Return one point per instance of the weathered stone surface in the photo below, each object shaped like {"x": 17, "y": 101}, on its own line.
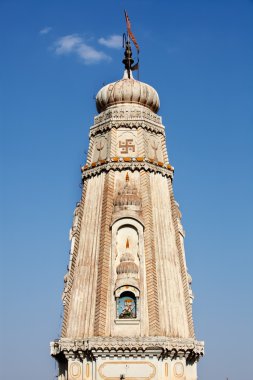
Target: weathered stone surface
{"x": 127, "y": 294}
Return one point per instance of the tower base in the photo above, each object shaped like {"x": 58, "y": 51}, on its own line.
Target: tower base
{"x": 152, "y": 358}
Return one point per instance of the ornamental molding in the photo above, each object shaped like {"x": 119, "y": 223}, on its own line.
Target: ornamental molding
{"x": 133, "y": 124}
{"x": 126, "y": 213}
{"x": 160, "y": 346}
{"x": 127, "y": 112}
{"x": 134, "y": 363}
{"x": 88, "y": 172}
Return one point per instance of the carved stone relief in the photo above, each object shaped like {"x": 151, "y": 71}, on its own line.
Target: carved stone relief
{"x": 154, "y": 148}
{"x": 127, "y": 143}
{"x": 75, "y": 370}
{"x": 178, "y": 369}
{"x": 128, "y": 113}
{"x": 133, "y": 179}
{"x": 100, "y": 150}
{"x": 129, "y": 369}
{"x": 127, "y": 198}
{"x": 171, "y": 346}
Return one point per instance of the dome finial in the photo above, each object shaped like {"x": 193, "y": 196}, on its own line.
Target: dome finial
{"x": 128, "y": 60}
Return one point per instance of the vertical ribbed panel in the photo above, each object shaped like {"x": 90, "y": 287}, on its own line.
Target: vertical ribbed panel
{"x": 82, "y": 304}
{"x": 164, "y": 149}
{"x": 151, "y": 271}
{"x": 90, "y": 151}
{"x": 140, "y": 142}
{"x": 72, "y": 270}
{"x": 182, "y": 263}
{"x": 101, "y": 326}
{"x": 173, "y": 319}
{"x": 113, "y": 143}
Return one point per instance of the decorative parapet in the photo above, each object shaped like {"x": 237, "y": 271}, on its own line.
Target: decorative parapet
{"x": 132, "y": 117}
{"x": 128, "y": 112}
{"x": 131, "y": 124}
{"x": 162, "y": 347}
{"x": 126, "y": 163}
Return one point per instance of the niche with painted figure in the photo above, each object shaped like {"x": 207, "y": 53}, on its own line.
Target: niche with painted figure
{"x": 126, "y": 306}
{"x": 128, "y": 277}
{"x": 127, "y": 300}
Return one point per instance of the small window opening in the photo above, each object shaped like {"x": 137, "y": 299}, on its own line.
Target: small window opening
{"x": 126, "y": 306}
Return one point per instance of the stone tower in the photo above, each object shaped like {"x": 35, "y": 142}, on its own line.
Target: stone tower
{"x": 127, "y": 293}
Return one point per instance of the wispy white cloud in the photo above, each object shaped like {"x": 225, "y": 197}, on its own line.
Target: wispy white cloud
{"x": 74, "y": 44}
{"x": 114, "y": 41}
{"x": 67, "y": 44}
{"x": 46, "y": 30}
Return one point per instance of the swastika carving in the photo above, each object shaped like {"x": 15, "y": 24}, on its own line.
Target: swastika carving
{"x": 127, "y": 146}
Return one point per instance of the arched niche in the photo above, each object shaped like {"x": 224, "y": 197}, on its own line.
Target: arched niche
{"x": 124, "y": 229}
{"x": 128, "y": 291}
{"x": 127, "y": 288}
{"x": 127, "y": 299}
{"x": 127, "y": 233}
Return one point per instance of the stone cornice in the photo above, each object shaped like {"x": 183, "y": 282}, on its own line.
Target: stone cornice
{"x": 126, "y": 163}
{"x": 159, "y": 346}
{"x": 132, "y": 124}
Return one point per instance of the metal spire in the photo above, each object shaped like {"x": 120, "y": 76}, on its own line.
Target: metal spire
{"x": 128, "y": 60}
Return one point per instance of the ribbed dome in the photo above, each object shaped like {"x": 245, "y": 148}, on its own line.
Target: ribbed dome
{"x": 127, "y": 90}
{"x": 127, "y": 264}
{"x": 127, "y": 267}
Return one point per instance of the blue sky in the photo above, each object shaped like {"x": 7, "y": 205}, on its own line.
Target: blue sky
{"x": 55, "y": 56}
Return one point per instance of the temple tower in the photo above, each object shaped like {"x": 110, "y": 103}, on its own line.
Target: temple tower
{"x": 127, "y": 293}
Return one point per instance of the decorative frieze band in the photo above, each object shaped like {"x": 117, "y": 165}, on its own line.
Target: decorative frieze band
{"x": 131, "y": 124}
{"x": 191, "y": 349}
{"x": 127, "y": 163}
{"x": 126, "y": 112}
